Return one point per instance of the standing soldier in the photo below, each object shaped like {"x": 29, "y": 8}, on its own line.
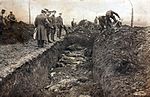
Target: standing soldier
{"x": 12, "y": 19}
{"x": 72, "y": 23}
{"x": 40, "y": 24}
{"x": 96, "y": 20}
{"x": 111, "y": 15}
{"x": 59, "y": 25}
{"x": 48, "y": 26}
{"x": 53, "y": 21}
{"x": 102, "y": 22}
{"x": 2, "y": 21}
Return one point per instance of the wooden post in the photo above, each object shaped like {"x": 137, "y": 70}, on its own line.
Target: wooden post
{"x": 132, "y": 18}
{"x": 132, "y": 14}
{"x": 29, "y": 11}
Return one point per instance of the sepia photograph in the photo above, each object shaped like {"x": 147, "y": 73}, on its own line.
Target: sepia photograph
{"x": 74, "y": 48}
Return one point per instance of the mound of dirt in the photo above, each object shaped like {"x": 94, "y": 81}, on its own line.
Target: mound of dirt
{"x": 121, "y": 62}
{"x": 20, "y": 32}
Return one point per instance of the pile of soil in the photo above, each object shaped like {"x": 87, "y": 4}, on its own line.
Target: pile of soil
{"x": 121, "y": 62}
{"x": 20, "y": 32}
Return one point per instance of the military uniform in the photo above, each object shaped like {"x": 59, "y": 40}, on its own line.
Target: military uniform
{"x": 102, "y": 22}
{"x": 110, "y": 14}
{"x": 12, "y": 20}
{"x": 59, "y": 25}
{"x": 2, "y": 22}
{"x": 40, "y": 23}
{"x": 53, "y": 21}
{"x": 49, "y": 27}
{"x": 73, "y": 23}
{"x": 96, "y": 20}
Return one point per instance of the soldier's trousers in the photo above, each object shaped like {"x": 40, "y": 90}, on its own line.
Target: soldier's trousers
{"x": 53, "y": 34}
{"x": 48, "y": 32}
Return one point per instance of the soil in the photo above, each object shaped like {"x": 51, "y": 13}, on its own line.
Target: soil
{"x": 72, "y": 75}
{"x": 18, "y": 32}
{"x": 111, "y": 63}
{"x": 121, "y": 60}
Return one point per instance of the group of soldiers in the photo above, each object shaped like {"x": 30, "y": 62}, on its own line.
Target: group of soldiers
{"x": 47, "y": 25}
{"x": 106, "y": 21}
{"x": 6, "y": 20}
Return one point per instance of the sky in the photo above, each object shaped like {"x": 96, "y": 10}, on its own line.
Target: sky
{"x": 81, "y": 9}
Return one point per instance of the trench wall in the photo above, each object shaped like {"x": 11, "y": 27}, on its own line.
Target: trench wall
{"x": 27, "y": 77}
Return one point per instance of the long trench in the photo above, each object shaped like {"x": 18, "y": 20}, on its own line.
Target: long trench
{"x": 63, "y": 70}
{"x": 72, "y": 75}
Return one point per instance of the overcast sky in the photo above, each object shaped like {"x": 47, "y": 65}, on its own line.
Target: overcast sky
{"x": 80, "y": 9}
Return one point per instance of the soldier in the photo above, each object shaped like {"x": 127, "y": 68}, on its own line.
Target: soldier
{"x": 111, "y": 15}
{"x": 59, "y": 25}
{"x": 2, "y": 21}
{"x": 49, "y": 26}
{"x": 53, "y": 21}
{"x": 12, "y": 19}
{"x": 40, "y": 24}
{"x": 102, "y": 22}
{"x": 96, "y": 20}
{"x": 72, "y": 23}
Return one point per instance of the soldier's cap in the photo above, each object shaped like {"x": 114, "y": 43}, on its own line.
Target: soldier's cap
{"x": 46, "y": 9}
{"x": 10, "y": 11}
{"x": 60, "y": 13}
{"x": 43, "y": 11}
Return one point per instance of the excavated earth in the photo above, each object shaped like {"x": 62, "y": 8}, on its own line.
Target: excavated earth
{"x": 86, "y": 63}
{"x": 20, "y": 32}
{"x": 122, "y": 62}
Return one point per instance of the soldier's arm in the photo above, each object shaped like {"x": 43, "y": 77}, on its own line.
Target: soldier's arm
{"x": 116, "y": 14}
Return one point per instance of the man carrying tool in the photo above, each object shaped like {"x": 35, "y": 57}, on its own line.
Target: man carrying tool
{"x": 111, "y": 15}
